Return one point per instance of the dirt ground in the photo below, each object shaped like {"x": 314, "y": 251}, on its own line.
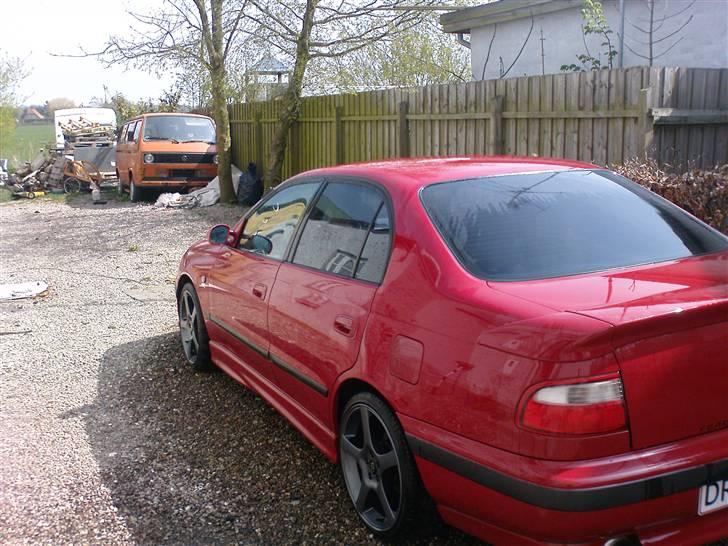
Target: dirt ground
{"x": 106, "y": 436}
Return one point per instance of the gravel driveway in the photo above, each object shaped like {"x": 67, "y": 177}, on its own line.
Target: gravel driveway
{"x": 106, "y": 435}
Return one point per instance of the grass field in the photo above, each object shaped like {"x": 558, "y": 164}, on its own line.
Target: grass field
{"x": 25, "y": 142}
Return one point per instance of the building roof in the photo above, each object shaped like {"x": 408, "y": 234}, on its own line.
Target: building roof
{"x": 463, "y": 20}
{"x": 271, "y": 66}
{"x": 32, "y": 113}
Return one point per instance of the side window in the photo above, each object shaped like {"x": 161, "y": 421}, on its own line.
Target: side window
{"x": 276, "y": 220}
{"x": 338, "y": 228}
{"x": 137, "y": 129}
{"x": 374, "y": 256}
{"x": 122, "y": 133}
{"x": 130, "y": 132}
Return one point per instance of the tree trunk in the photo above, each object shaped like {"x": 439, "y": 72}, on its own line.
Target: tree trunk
{"x": 291, "y": 103}
{"x": 222, "y": 121}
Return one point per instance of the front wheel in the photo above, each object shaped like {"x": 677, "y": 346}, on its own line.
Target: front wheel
{"x": 135, "y": 193}
{"x": 195, "y": 342}
{"x": 379, "y": 471}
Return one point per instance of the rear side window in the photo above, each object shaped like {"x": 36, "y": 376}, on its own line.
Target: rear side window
{"x": 347, "y": 233}
{"x": 541, "y": 225}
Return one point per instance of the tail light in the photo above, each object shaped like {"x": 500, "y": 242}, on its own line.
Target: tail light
{"x": 577, "y": 408}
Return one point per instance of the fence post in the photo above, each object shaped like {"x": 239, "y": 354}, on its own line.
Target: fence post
{"x": 294, "y": 148}
{"x": 338, "y": 136}
{"x": 646, "y": 128}
{"x": 403, "y": 125}
{"x": 496, "y": 126}
{"x": 258, "y": 132}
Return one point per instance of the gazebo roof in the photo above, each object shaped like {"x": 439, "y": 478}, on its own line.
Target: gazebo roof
{"x": 269, "y": 65}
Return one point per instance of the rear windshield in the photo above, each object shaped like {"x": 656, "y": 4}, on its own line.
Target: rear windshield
{"x": 541, "y": 225}
{"x": 179, "y": 128}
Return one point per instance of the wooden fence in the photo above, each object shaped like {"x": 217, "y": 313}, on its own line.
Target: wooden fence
{"x": 678, "y": 116}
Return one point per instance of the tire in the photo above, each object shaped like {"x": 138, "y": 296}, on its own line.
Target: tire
{"x": 381, "y": 470}
{"x": 135, "y": 193}
{"x": 193, "y": 333}
{"x": 71, "y": 185}
{"x": 120, "y": 188}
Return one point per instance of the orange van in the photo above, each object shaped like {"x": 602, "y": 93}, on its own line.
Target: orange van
{"x": 169, "y": 152}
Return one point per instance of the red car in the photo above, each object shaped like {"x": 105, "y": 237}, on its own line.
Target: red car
{"x": 536, "y": 349}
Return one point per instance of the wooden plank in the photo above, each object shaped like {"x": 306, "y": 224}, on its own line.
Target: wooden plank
{"x": 695, "y": 134}
{"x": 668, "y": 135}
{"x": 534, "y": 105}
{"x": 601, "y": 142}
{"x": 588, "y": 86}
{"x": 510, "y": 94}
{"x": 646, "y": 128}
{"x": 522, "y": 123}
{"x": 559, "y": 124}
{"x": 404, "y": 136}
{"x": 571, "y": 126}
{"x": 615, "y": 151}
{"x": 712, "y": 87}
{"x": 675, "y": 116}
{"x": 338, "y": 136}
{"x": 460, "y": 124}
{"x": 546, "y": 105}
{"x": 487, "y": 96}
{"x": 471, "y": 92}
{"x": 427, "y": 125}
{"x": 496, "y": 145}
{"x": 720, "y": 149}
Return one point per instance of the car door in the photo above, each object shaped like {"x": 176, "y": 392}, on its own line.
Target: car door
{"x": 239, "y": 286}
{"x": 321, "y": 297}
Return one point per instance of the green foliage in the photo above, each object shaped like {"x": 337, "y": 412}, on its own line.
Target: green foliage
{"x": 421, "y": 55}
{"x": 592, "y": 12}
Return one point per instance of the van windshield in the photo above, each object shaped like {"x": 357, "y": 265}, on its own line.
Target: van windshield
{"x": 541, "y": 225}
{"x": 179, "y": 129}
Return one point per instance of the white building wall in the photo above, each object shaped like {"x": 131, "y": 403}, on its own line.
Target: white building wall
{"x": 704, "y": 42}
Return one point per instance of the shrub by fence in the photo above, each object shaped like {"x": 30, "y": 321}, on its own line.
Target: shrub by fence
{"x": 677, "y": 116}
{"x": 702, "y": 193}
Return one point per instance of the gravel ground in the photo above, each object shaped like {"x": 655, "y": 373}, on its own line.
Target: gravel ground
{"x": 106, "y": 435}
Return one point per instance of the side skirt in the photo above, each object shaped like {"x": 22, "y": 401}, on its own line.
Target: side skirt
{"x": 315, "y": 431}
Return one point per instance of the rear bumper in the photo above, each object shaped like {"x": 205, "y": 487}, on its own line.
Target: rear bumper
{"x": 505, "y": 498}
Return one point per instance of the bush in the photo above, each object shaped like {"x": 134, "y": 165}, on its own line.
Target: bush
{"x": 702, "y": 193}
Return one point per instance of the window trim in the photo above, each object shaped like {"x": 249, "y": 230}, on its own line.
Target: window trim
{"x": 354, "y": 180}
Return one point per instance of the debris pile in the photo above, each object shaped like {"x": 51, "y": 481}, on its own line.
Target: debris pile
{"x": 83, "y": 130}
{"x": 54, "y": 171}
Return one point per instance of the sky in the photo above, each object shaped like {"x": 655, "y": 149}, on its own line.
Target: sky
{"x": 33, "y": 29}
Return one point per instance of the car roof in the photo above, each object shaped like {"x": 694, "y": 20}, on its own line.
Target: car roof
{"x": 430, "y": 170}
{"x": 155, "y": 114}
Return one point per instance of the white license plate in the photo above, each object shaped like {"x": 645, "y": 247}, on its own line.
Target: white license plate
{"x": 713, "y": 496}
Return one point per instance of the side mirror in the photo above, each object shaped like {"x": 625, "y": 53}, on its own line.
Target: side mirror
{"x": 218, "y": 235}
{"x": 261, "y": 244}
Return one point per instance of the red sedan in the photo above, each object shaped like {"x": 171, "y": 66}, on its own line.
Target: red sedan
{"x": 535, "y": 349}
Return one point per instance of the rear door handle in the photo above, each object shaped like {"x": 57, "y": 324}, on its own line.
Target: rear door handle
{"x": 259, "y": 291}
{"x": 344, "y": 325}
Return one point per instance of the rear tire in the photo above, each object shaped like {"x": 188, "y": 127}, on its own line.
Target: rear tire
{"x": 195, "y": 341}
{"x": 380, "y": 473}
{"x": 120, "y": 188}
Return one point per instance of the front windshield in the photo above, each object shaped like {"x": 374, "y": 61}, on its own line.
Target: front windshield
{"x": 179, "y": 129}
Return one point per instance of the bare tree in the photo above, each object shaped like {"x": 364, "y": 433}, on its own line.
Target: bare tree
{"x": 309, "y": 29}
{"x": 656, "y": 28}
{"x": 204, "y": 32}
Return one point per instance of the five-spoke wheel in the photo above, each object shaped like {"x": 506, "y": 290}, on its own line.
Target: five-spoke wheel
{"x": 192, "y": 329}
{"x": 377, "y": 466}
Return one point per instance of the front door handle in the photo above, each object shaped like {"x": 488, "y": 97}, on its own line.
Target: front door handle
{"x": 344, "y": 325}
{"x": 259, "y": 291}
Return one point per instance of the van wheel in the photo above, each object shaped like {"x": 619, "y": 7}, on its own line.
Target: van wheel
{"x": 379, "y": 471}
{"x": 135, "y": 193}
{"x": 120, "y": 187}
